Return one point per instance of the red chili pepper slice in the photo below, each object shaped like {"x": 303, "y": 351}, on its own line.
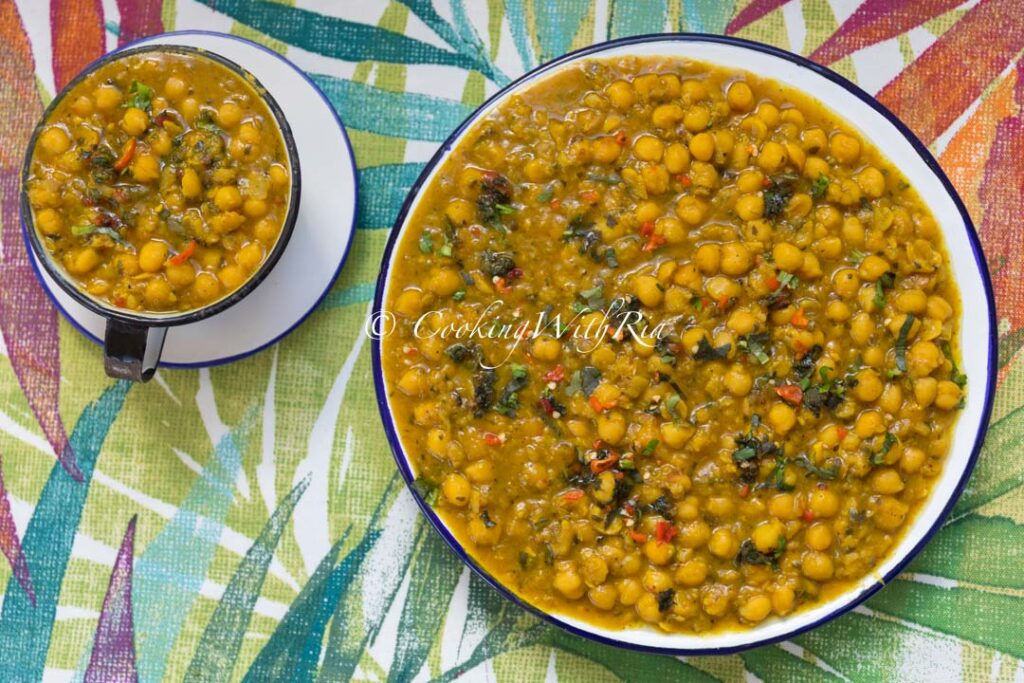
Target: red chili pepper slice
{"x": 126, "y": 155}
{"x": 799, "y": 318}
{"x": 555, "y": 374}
{"x": 492, "y": 439}
{"x": 665, "y": 531}
{"x": 604, "y": 464}
{"x": 638, "y": 537}
{"x": 808, "y": 515}
{"x": 572, "y": 496}
{"x": 653, "y": 242}
{"x": 184, "y": 255}
{"x": 790, "y": 393}
{"x": 590, "y": 196}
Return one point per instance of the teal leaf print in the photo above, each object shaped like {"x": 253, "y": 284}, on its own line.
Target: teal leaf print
{"x": 218, "y": 648}
{"x": 516, "y": 13}
{"x": 338, "y": 38}
{"x": 707, "y": 16}
{"x": 637, "y": 17}
{"x": 25, "y": 628}
{"x": 174, "y": 565}
{"x": 382, "y": 190}
{"x": 293, "y": 651}
{"x": 433, "y": 576}
{"x": 113, "y": 651}
{"x": 408, "y": 115}
{"x": 399, "y": 525}
{"x": 556, "y": 24}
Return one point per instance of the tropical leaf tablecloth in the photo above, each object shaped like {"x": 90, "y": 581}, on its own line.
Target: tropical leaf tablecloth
{"x": 246, "y": 520}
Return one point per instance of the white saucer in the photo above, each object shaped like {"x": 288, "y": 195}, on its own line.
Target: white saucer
{"x": 318, "y": 246}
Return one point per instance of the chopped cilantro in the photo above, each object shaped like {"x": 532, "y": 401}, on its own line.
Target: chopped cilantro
{"x": 820, "y": 186}
{"x": 901, "y": 343}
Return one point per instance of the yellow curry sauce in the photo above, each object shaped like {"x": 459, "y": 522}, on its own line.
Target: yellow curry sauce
{"x": 160, "y": 182}
{"x": 783, "y": 395}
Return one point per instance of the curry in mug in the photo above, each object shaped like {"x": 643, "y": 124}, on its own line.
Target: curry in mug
{"x": 765, "y": 454}
{"x": 160, "y": 182}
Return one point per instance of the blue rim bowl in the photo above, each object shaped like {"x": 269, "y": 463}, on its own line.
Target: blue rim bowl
{"x": 978, "y": 334}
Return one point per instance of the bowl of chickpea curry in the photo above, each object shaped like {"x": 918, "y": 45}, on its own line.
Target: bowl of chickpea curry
{"x": 677, "y": 357}
{"x": 160, "y": 187}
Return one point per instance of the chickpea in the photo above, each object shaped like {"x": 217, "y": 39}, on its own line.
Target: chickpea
{"x": 818, "y": 537}
{"x": 708, "y": 258}
{"x": 621, "y": 95}
{"x": 83, "y": 261}
{"x": 191, "y": 185}
{"x": 611, "y": 427}
{"x": 869, "y": 386}
{"x": 912, "y": 460}
{"x": 781, "y": 418}
{"x": 480, "y": 471}
{"x": 49, "y": 222}
{"x": 837, "y": 311}
{"x": 229, "y": 115}
{"x": 862, "y": 327}
{"x": 135, "y": 121}
{"x": 889, "y": 513}
{"x": 630, "y": 591}
{"x": 817, "y": 565}
{"x": 594, "y": 569}
{"x": 723, "y": 543}
{"x": 546, "y": 348}
{"x": 648, "y": 148}
{"x": 736, "y": 259}
{"x": 702, "y": 146}
{"x": 923, "y": 358}
{"x": 823, "y": 503}
{"x": 738, "y": 381}
{"x": 886, "y": 481}
{"x": 250, "y": 257}
{"x": 206, "y": 287}
{"x": 846, "y": 283}
{"x": 647, "y": 608}
{"x": 871, "y": 182}
{"x": 146, "y": 168}
{"x": 756, "y": 608}
{"x": 55, "y": 140}
{"x": 716, "y": 600}
{"x": 152, "y": 256}
{"x": 873, "y": 267}
{"x": 785, "y": 506}
{"x": 677, "y": 158}
{"x": 603, "y": 596}
{"x": 815, "y": 167}
{"x": 694, "y": 534}
{"x": 648, "y": 290}
{"x": 82, "y": 106}
{"x": 691, "y": 210}
{"x": 255, "y": 208}
{"x": 692, "y": 572}
{"x": 675, "y": 435}
{"x": 107, "y": 97}
{"x": 181, "y": 275}
{"x": 772, "y": 156}
{"x": 158, "y": 294}
{"x": 696, "y": 119}
{"x": 788, "y": 257}
{"x": 926, "y": 389}
{"x": 231, "y": 277}
{"x": 783, "y": 599}
{"x": 666, "y": 116}
{"x": 740, "y": 96}
{"x": 938, "y": 308}
{"x": 658, "y": 553}
{"x": 845, "y": 148}
{"x": 443, "y": 281}
{"x": 767, "y": 534}
{"x": 948, "y": 395}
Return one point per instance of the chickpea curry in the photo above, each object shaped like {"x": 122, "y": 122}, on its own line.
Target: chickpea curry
{"x": 674, "y": 345}
{"x": 160, "y": 182}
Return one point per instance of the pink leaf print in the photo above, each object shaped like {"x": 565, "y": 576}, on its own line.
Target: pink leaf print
{"x": 77, "y": 34}
{"x": 1002, "y": 195}
{"x": 10, "y": 545}
{"x": 113, "y": 651}
{"x": 139, "y": 18}
{"x": 977, "y": 49}
{"x": 878, "y": 20}
{"x": 27, "y": 319}
{"x": 752, "y": 12}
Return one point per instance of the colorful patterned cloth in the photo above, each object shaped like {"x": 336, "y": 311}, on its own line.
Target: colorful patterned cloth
{"x": 248, "y": 519}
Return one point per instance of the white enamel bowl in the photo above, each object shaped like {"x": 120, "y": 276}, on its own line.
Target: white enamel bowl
{"x": 978, "y": 328}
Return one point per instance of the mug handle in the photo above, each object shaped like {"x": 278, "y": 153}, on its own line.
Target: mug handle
{"x": 132, "y": 352}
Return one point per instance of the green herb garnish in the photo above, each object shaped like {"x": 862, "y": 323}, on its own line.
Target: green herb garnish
{"x": 901, "y": 343}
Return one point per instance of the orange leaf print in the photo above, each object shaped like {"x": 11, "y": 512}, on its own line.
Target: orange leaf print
{"x": 878, "y": 20}
{"x": 977, "y": 49}
{"x": 77, "y": 32}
